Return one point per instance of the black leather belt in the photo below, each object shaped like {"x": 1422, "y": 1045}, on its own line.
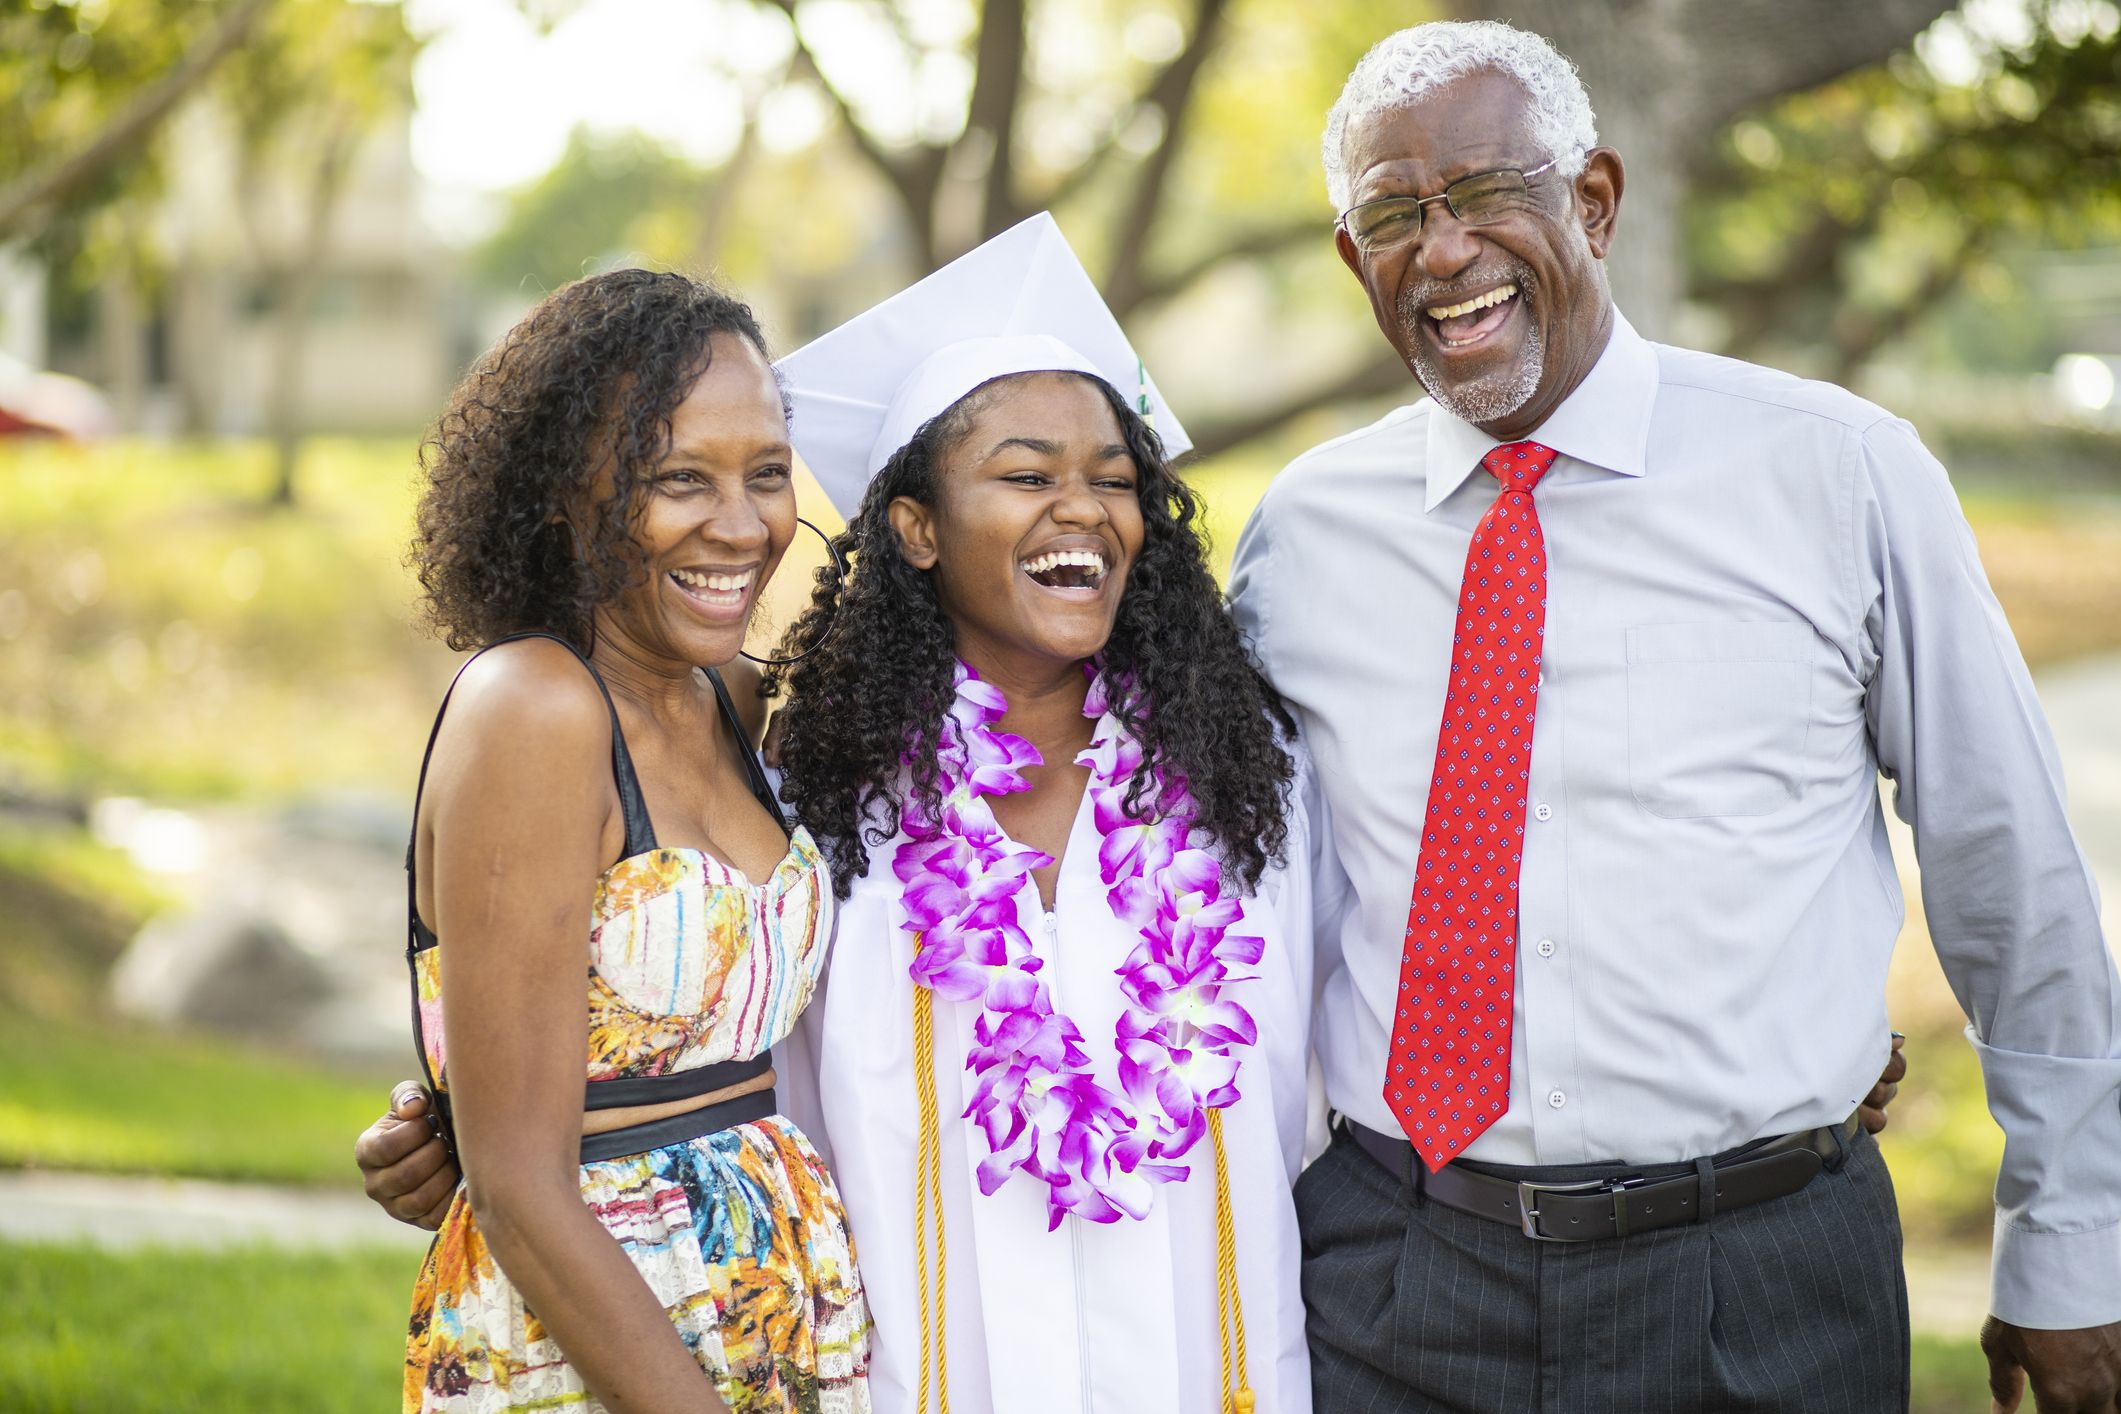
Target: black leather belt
{"x": 1589, "y": 1210}
{"x": 648, "y": 1090}
{"x": 677, "y": 1128}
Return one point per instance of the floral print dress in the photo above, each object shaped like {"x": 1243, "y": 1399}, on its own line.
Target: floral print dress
{"x": 740, "y": 1233}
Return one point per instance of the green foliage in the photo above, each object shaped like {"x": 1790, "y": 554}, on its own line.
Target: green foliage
{"x": 309, "y": 72}
{"x": 313, "y": 66}
{"x": 265, "y": 1330}
{"x": 85, "y": 1331}
{"x": 162, "y": 637}
{"x": 119, "y": 1098}
{"x": 608, "y": 197}
{"x": 1842, "y": 219}
{"x": 65, "y": 68}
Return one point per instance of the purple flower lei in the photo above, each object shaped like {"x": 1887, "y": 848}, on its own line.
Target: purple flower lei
{"x": 1180, "y": 1042}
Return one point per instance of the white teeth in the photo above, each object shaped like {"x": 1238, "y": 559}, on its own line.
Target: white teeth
{"x": 1054, "y": 559}
{"x": 1452, "y": 311}
{"x": 719, "y": 583}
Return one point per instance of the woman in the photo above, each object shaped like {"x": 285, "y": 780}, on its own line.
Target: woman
{"x": 1134, "y": 670}
{"x": 1061, "y": 1058}
{"x": 608, "y": 492}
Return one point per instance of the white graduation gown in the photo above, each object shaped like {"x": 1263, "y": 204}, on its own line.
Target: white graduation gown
{"x": 1115, "y": 1318}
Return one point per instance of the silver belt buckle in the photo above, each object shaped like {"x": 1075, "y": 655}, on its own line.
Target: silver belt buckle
{"x": 1528, "y": 1211}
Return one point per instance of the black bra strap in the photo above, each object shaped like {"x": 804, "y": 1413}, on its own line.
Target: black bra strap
{"x": 633, "y": 807}
{"x": 754, "y": 773}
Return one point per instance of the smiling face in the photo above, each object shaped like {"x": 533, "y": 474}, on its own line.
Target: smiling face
{"x": 1499, "y": 322}
{"x": 715, "y": 515}
{"x": 1035, "y": 522}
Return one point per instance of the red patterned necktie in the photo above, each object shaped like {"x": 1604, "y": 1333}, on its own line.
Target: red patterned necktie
{"x": 1449, "y": 1073}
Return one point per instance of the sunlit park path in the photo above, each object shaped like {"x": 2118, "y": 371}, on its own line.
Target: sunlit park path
{"x": 119, "y": 1211}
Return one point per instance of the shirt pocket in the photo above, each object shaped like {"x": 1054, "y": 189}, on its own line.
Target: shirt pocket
{"x": 1717, "y": 717}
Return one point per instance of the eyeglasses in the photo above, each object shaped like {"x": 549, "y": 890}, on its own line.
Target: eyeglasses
{"x": 1479, "y": 200}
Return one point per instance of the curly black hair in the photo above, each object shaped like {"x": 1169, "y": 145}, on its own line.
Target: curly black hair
{"x": 508, "y": 536}
{"x": 877, "y": 678}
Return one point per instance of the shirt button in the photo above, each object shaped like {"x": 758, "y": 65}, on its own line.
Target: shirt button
{"x": 1542, "y": 811}
{"x": 1546, "y": 947}
{"x": 1556, "y": 1099}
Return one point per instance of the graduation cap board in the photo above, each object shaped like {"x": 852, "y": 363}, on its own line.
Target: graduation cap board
{"x": 1021, "y": 303}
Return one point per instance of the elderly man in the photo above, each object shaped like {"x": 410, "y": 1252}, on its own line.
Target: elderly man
{"x": 1600, "y": 650}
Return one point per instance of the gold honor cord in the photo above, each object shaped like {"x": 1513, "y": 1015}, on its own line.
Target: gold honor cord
{"x": 1231, "y": 1313}
{"x": 928, "y": 1198}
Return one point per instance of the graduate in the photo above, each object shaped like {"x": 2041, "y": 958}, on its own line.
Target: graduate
{"x": 1059, "y": 1057}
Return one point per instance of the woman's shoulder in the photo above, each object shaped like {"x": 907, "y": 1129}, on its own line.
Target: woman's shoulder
{"x": 534, "y": 693}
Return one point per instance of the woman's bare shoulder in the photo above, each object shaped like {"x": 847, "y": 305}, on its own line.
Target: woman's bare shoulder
{"x": 532, "y": 694}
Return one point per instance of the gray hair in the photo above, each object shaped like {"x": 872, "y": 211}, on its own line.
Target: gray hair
{"x": 1414, "y": 62}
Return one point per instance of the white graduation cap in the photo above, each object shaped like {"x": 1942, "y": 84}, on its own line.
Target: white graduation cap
{"x": 1021, "y": 303}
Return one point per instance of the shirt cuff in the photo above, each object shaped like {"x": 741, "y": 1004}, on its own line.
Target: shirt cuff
{"x": 2056, "y": 1281}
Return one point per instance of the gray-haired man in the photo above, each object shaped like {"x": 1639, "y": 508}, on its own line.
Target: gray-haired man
{"x": 1601, "y": 995}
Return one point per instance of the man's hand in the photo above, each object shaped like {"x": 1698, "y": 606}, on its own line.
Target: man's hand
{"x": 404, "y": 1166}
{"x": 1872, "y": 1110}
{"x": 2072, "y": 1372}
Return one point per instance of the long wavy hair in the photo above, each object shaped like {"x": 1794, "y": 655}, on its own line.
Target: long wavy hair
{"x": 510, "y": 534}
{"x": 871, "y": 693}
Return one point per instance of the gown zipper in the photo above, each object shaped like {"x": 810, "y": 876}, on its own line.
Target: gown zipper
{"x": 1082, "y": 1314}
{"x": 1050, "y": 925}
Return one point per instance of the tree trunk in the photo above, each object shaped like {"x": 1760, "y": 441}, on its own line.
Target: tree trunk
{"x": 297, "y": 287}
{"x": 1666, "y": 76}
{"x": 121, "y": 333}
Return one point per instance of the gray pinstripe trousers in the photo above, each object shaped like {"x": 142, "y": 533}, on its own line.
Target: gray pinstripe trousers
{"x": 1794, "y": 1304}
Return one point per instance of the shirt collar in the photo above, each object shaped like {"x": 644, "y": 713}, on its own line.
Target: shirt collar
{"x": 1605, "y": 422}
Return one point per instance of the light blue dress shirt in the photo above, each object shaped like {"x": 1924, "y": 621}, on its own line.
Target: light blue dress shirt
{"x": 1761, "y": 594}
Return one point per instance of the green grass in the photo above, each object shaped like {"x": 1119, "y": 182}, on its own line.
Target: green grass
{"x": 1950, "y": 1377}
{"x": 257, "y": 1330}
{"x": 84, "y": 1331}
{"x": 92, "y": 1094}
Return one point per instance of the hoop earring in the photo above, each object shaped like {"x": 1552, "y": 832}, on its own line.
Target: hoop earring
{"x": 839, "y": 576}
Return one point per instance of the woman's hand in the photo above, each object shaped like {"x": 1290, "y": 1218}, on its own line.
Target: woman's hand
{"x": 405, "y": 1168}
{"x": 1872, "y": 1110}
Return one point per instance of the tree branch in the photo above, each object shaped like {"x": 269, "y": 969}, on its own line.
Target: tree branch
{"x": 1266, "y": 240}
{"x": 1748, "y": 51}
{"x": 1171, "y": 95}
{"x": 133, "y": 124}
{"x": 1382, "y": 376}
{"x": 997, "y": 86}
{"x": 1759, "y": 306}
{"x": 913, "y": 181}
{"x": 1084, "y": 172}
{"x": 1858, "y": 338}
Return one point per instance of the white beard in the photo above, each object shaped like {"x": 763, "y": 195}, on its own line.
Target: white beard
{"x": 1494, "y": 395}
{"x": 1490, "y": 397}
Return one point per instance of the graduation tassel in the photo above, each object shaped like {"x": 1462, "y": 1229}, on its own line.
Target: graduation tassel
{"x": 928, "y": 1197}
{"x": 1230, "y": 1302}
